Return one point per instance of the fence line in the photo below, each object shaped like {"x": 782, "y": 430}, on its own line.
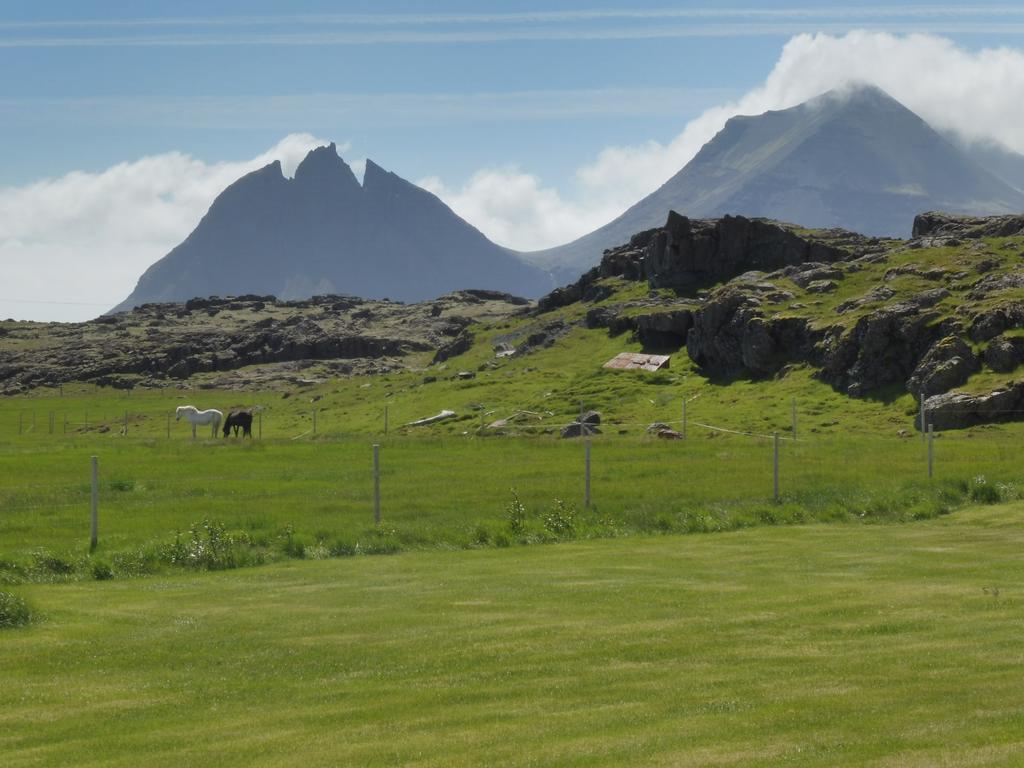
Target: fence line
{"x": 800, "y": 470}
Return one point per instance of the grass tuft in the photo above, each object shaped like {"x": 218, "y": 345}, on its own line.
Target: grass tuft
{"x": 14, "y": 611}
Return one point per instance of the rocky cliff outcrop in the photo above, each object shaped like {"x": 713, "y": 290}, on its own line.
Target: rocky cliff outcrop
{"x": 689, "y": 252}
{"x": 732, "y": 335}
{"x": 946, "y": 225}
{"x": 909, "y": 314}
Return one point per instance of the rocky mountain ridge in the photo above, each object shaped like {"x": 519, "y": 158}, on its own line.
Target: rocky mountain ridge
{"x": 323, "y": 232}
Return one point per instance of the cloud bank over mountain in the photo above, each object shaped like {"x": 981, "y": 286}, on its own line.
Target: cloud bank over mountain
{"x": 977, "y": 94}
{"x": 82, "y": 240}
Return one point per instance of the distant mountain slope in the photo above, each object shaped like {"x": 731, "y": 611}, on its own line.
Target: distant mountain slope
{"x": 855, "y": 159}
{"x": 999, "y": 159}
{"x": 322, "y": 232}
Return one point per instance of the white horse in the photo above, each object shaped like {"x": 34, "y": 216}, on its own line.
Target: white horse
{"x": 195, "y": 416}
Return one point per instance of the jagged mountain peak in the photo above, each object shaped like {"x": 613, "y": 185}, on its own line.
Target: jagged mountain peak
{"x": 324, "y": 170}
{"x": 375, "y": 176}
{"x": 323, "y": 232}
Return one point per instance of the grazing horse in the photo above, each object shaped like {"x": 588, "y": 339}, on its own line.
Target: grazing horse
{"x": 195, "y": 416}
{"x": 236, "y": 419}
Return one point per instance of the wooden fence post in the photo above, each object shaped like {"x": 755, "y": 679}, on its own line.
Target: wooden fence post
{"x": 95, "y": 517}
{"x": 376, "y": 483}
{"x": 931, "y": 451}
{"x": 775, "y": 474}
{"x": 586, "y": 474}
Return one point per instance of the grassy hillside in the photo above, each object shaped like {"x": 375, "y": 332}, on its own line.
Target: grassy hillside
{"x": 809, "y": 646}
{"x": 300, "y": 492}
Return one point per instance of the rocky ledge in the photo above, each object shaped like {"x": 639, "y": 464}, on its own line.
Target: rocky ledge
{"x": 238, "y": 340}
{"x": 750, "y": 297}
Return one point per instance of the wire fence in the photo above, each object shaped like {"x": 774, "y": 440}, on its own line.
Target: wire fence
{"x": 439, "y": 487}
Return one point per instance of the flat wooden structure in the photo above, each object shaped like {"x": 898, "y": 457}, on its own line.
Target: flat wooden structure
{"x": 631, "y": 361}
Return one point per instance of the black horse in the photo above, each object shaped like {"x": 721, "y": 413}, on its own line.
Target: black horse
{"x": 237, "y": 419}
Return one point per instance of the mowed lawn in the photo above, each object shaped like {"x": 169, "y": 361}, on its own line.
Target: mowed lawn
{"x": 816, "y": 645}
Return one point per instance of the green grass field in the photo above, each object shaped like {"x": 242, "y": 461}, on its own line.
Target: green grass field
{"x": 300, "y": 494}
{"x": 799, "y": 646}
{"x": 684, "y": 618}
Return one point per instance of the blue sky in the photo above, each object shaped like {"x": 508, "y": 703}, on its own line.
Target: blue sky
{"x": 98, "y": 83}
{"x": 441, "y": 93}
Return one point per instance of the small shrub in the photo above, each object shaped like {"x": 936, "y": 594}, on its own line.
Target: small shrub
{"x": 100, "y": 570}
{"x": 501, "y": 540}
{"x": 382, "y": 547}
{"x": 341, "y": 548}
{"x": 14, "y": 611}
{"x": 1007, "y": 491}
{"x": 560, "y": 520}
{"x": 481, "y": 536}
{"x": 318, "y": 551}
{"x": 768, "y": 516}
{"x": 138, "y": 562}
{"x": 292, "y": 545}
{"x": 515, "y": 513}
{"x": 983, "y": 492}
{"x": 209, "y": 547}
{"x": 664, "y": 524}
{"x": 45, "y": 563}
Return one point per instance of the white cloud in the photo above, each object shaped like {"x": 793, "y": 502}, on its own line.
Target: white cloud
{"x": 82, "y": 240}
{"x": 979, "y": 95}
{"x": 514, "y": 209}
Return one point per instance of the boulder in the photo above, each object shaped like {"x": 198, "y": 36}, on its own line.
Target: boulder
{"x": 997, "y": 282}
{"x": 874, "y": 296}
{"x": 956, "y": 410}
{"x": 947, "y": 364}
{"x": 459, "y": 345}
{"x": 991, "y": 323}
{"x": 1003, "y": 354}
{"x": 579, "y": 430}
{"x": 584, "y": 425}
{"x": 805, "y": 274}
{"x": 822, "y": 286}
{"x": 664, "y": 330}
